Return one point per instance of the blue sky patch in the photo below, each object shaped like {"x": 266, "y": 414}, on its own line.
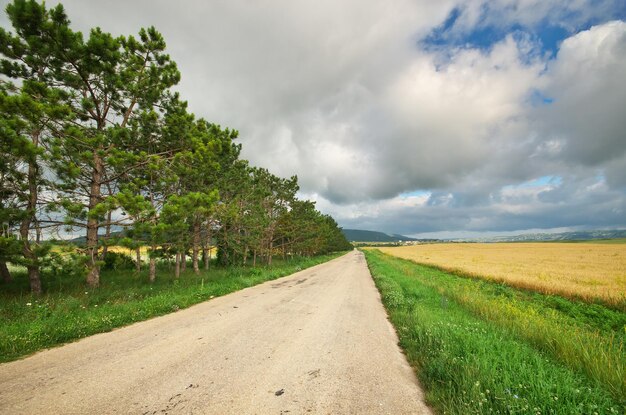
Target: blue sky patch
{"x": 538, "y": 182}
{"x": 547, "y": 34}
{"x": 538, "y": 98}
{"x": 414, "y": 193}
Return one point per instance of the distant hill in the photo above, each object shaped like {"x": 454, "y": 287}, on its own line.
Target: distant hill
{"x": 81, "y": 240}
{"x": 563, "y": 236}
{"x": 357, "y": 235}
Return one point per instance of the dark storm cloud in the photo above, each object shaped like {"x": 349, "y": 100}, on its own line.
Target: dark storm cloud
{"x": 572, "y": 204}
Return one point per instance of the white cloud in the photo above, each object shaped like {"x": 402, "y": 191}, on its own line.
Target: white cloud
{"x": 344, "y": 95}
{"x": 586, "y": 82}
{"x": 456, "y": 116}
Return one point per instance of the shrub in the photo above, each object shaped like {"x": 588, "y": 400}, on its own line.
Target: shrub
{"x": 67, "y": 264}
{"x": 118, "y": 261}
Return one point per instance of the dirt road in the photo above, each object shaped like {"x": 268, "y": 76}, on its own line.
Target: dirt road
{"x": 315, "y": 342}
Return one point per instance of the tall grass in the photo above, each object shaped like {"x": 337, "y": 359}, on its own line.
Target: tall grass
{"x": 69, "y": 311}
{"x": 482, "y": 347}
{"x": 597, "y": 353}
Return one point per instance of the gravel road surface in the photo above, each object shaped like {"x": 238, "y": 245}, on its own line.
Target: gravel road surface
{"x": 316, "y": 342}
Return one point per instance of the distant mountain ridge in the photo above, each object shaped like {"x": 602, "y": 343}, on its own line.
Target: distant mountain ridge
{"x": 547, "y": 237}
{"x": 357, "y": 235}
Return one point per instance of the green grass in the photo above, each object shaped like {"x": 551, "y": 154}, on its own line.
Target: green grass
{"x": 482, "y": 347}
{"x": 69, "y": 311}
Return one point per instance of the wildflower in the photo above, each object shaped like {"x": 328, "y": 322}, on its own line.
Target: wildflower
{"x": 29, "y": 304}
{"x": 86, "y": 292}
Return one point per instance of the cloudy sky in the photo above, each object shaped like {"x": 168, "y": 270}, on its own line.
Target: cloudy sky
{"x": 420, "y": 117}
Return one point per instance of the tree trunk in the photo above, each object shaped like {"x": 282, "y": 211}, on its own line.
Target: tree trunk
{"x": 38, "y": 235}
{"x": 138, "y": 258}
{"x": 107, "y": 235}
{"x": 31, "y": 206}
{"x": 207, "y": 249}
{"x": 269, "y": 253}
{"x": 196, "y": 247}
{"x": 33, "y": 268}
{"x": 93, "y": 270}
{"x": 224, "y": 247}
{"x": 152, "y": 271}
{"x": 177, "y": 265}
{"x": 4, "y": 272}
{"x": 206, "y": 255}
{"x": 183, "y": 261}
{"x": 35, "y": 279}
{"x": 254, "y": 259}
{"x": 196, "y": 262}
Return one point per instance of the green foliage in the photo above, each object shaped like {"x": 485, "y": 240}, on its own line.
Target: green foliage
{"x": 118, "y": 261}
{"x": 481, "y": 347}
{"x": 67, "y": 265}
{"x": 10, "y": 250}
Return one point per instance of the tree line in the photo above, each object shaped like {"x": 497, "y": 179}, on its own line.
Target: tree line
{"x": 94, "y": 138}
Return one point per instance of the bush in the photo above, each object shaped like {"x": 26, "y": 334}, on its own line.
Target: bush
{"x": 118, "y": 261}
{"x": 68, "y": 264}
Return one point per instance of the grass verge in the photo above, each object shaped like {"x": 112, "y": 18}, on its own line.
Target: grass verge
{"x": 482, "y": 347}
{"x": 68, "y": 311}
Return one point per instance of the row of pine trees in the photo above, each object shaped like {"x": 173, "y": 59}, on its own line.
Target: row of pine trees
{"x": 94, "y": 139}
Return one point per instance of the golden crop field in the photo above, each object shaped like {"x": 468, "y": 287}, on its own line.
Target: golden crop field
{"x": 129, "y": 252}
{"x": 584, "y": 270}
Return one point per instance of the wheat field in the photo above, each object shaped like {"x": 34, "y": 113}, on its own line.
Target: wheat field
{"x": 589, "y": 271}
